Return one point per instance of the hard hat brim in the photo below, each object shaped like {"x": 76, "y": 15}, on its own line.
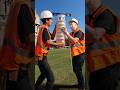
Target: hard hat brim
{"x": 72, "y": 21}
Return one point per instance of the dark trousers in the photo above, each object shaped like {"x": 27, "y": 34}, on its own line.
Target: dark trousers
{"x": 77, "y": 63}
{"x": 104, "y": 79}
{"x": 46, "y": 72}
{"x": 118, "y": 69}
{"x": 22, "y": 83}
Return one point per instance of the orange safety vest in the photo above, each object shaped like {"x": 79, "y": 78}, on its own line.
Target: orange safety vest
{"x": 77, "y": 48}
{"x": 105, "y": 51}
{"x": 13, "y": 52}
{"x": 41, "y": 47}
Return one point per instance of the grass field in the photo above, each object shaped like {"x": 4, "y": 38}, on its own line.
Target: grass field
{"x": 60, "y": 62}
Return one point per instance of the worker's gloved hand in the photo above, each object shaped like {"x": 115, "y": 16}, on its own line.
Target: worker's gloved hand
{"x": 61, "y": 44}
{"x": 56, "y": 26}
{"x": 39, "y": 58}
{"x": 76, "y": 40}
{"x": 64, "y": 30}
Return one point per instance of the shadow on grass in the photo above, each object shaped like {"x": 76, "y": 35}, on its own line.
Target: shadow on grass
{"x": 61, "y": 87}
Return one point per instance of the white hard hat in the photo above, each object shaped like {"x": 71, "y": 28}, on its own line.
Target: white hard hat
{"x": 74, "y": 20}
{"x": 46, "y": 14}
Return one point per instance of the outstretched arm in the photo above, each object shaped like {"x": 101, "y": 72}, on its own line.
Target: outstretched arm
{"x": 54, "y": 32}
{"x": 69, "y": 36}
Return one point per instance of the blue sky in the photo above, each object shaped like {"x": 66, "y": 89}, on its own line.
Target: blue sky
{"x": 75, "y": 7}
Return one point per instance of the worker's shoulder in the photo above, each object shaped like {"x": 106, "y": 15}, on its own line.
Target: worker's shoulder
{"x": 79, "y": 35}
{"x": 80, "y": 32}
{"x": 106, "y": 14}
{"x": 45, "y": 31}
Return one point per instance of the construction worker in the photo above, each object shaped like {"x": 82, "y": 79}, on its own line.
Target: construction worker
{"x": 77, "y": 44}
{"x": 18, "y": 44}
{"x": 102, "y": 46}
{"x": 43, "y": 43}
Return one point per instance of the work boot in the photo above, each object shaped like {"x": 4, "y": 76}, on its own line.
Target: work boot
{"x": 11, "y": 85}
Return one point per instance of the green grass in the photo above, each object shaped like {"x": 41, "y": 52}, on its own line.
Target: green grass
{"x": 118, "y": 88}
{"x": 60, "y": 62}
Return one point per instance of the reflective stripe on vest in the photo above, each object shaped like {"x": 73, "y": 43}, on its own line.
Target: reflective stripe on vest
{"x": 41, "y": 48}
{"x": 106, "y": 51}
{"x": 8, "y": 40}
{"x": 39, "y": 43}
{"x": 77, "y": 48}
{"x": 111, "y": 44}
{"x": 15, "y": 49}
